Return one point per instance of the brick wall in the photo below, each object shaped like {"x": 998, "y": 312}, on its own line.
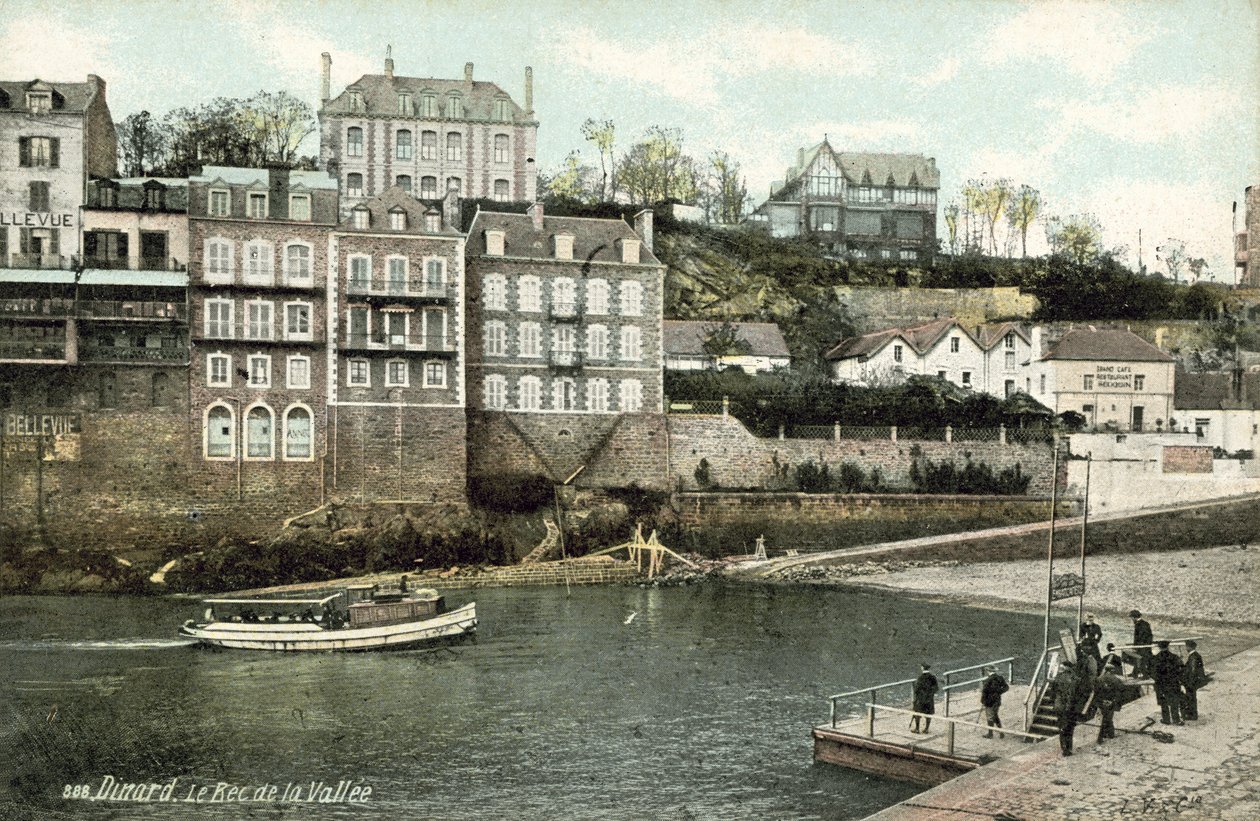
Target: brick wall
{"x": 1187, "y": 459}
{"x": 410, "y": 453}
{"x": 698, "y": 509}
{"x": 876, "y": 308}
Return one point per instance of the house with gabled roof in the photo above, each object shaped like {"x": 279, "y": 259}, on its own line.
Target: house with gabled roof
{"x": 759, "y": 346}
{"x": 428, "y": 136}
{"x": 1221, "y": 408}
{"x": 861, "y": 205}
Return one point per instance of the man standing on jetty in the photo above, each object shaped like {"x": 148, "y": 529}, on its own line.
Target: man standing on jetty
{"x": 924, "y": 689}
{"x": 1108, "y": 692}
{"x": 991, "y": 700}
{"x": 1142, "y": 640}
{"x": 1193, "y": 678}
{"x": 1167, "y": 670}
{"x": 1068, "y": 686}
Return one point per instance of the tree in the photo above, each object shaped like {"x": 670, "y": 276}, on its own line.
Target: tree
{"x": 142, "y": 142}
{"x": 728, "y": 191}
{"x": 1078, "y": 237}
{"x": 951, "y": 224}
{"x": 1173, "y": 254}
{"x": 656, "y": 169}
{"x": 1022, "y": 212}
{"x": 266, "y": 129}
{"x": 573, "y": 181}
{"x": 281, "y": 122}
{"x": 603, "y": 135}
{"x": 994, "y": 196}
{"x": 724, "y": 340}
{"x": 973, "y": 215}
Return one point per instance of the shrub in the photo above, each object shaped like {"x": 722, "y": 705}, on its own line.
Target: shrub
{"x": 704, "y": 478}
{"x": 812, "y": 478}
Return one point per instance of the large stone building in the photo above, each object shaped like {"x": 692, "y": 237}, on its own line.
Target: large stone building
{"x": 428, "y": 136}
{"x": 878, "y": 207}
{"x": 54, "y": 137}
{"x": 1247, "y": 242}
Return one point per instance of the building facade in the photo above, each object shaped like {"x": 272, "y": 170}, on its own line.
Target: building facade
{"x": 428, "y": 136}
{"x": 1221, "y": 409}
{"x": 1247, "y": 241}
{"x": 877, "y": 207}
{"x": 54, "y": 137}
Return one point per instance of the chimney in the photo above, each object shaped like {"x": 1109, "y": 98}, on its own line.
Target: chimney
{"x": 325, "y": 76}
{"x": 389, "y": 63}
{"x": 1236, "y": 384}
{"x": 529, "y": 91}
{"x": 643, "y": 227}
{"x": 535, "y": 213}
{"x": 98, "y": 83}
{"x": 468, "y": 74}
{"x": 800, "y": 158}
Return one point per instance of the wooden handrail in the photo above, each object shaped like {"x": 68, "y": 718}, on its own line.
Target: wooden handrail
{"x": 952, "y": 723}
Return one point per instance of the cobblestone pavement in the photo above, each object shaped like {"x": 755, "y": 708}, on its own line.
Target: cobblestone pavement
{"x": 1211, "y": 769}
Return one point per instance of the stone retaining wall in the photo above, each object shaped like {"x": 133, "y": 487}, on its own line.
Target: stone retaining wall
{"x": 579, "y": 571}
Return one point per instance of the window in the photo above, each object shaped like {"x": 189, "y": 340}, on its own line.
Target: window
{"x": 218, "y": 260}
{"x": 597, "y": 296}
{"x": 631, "y": 344}
{"x": 396, "y": 268}
{"x": 39, "y": 196}
{"x": 354, "y": 142}
{"x": 531, "y": 336}
{"x": 403, "y": 181}
{"x": 1009, "y": 340}
{"x": 356, "y": 101}
{"x": 257, "y": 320}
{"x": 530, "y": 393}
{"x": 297, "y": 433}
{"x": 631, "y": 298}
{"x": 220, "y": 441}
{"x": 358, "y": 319}
{"x": 501, "y": 191}
{"x": 219, "y": 319}
{"x": 1139, "y": 382}
{"x": 361, "y": 218}
{"x": 300, "y": 207}
{"x": 398, "y": 220}
{"x": 297, "y": 264}
{"x": 428, "y": 145}
{"x": 1008, "y": 389}
{"x": 256, "y": 205}
{"x": 432, "y": 222}
{"x": 1042, "y": 384}
{"x": 909, "y": 255}
{"x": 258, "y": 438}
{"x": 354, "y": 185}
{"x": 160, "y": 394}
{"x": 564, "y": 394}
{"x": 435, "y": 374}
{"x": 1010, "y": 360}
{"x": 396, "y": 373}
{"x": 404, "y": 105}
{"x": 360, "y": 274}
{"x": 455, "y": 184}
{"x": 495, "y": 338}
{"x": 494, "y": 292}
{"x": 258, "y": 261}
{"x": 563, "y": 297}
{"x": 428, "y": 105}
{"x": 107, "y": 194}
{"x": 396, "y": 328}
{"x": 941, "y": 374}
{"x": 259, "y": 371}
{"x": 298, "y": 372}
{"x": 454, "y": 146}
{"x": 434, "y": 275}
{"x": 530, "y": 293}
{"x": 357, "y": 373}
{"x": 501, "y": 150}
{"x": 953, "y": 344}
{"x": 631, "y": 396}
{"x": 596, "y": 342}
{"x": 402, "y": 145}
{"x": 428, "y": 188}
{"x": 455, "y": 107}
{"x": 39, "y": 152}
{"x": 219, "y": 370}
{"x": 1088, "y": 382}
{"x": 966, "y": 379}
{"x": 562, "y": 339}
{"x": 502, "y": 111}
{"x": 297, "y": 321}
{"x": 39, "y": 102}
{"x": 220, "y": 203}
{"x": 885, "y": 253}
{"x": 496, "y": 391}
{"x": 896, "y": 353}
{"x": 597, "y": 395}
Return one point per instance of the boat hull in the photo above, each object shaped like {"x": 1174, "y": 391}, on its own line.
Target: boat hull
{"x": 302, "y": 636}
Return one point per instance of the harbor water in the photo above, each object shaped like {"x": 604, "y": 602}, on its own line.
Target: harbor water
{"x": 613, "y": 703}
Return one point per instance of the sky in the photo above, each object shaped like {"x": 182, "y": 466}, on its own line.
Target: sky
{"x": 1144, "y": 113}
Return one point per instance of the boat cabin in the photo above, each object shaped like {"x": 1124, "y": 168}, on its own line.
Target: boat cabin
{"x": 396, "y": 608}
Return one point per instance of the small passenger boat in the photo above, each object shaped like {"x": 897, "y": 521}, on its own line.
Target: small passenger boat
{"x": 360, "y": 617}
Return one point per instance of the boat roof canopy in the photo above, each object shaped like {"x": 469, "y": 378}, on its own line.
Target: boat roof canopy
{"x": 324, "y": 600}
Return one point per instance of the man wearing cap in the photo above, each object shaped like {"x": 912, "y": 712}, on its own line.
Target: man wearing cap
{"x": 1142, "y": 640}
{"x": 1108, "y": 695}
{"x": 1113, "y": 657}
{"x": 1192, "y": 679}
{"x": 1091, "y": 630}
{"x": 991, "y": 700}
{"x": 1069, "y": 689}
{"x": 1167, "y": 670}
{"x": 924, "y": 689}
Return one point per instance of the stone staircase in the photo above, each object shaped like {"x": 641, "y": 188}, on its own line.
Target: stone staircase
{"x": 547, "y": 545}
{"x": 1045, "y": 720}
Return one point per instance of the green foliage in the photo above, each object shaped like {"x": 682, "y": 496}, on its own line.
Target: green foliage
{"x": 511, "y": 492}
{"x": 972, "y": 478}
{"x": 704, "y": 478}
{"x": 724, "y": 340}
{"x": 1072, "y": 421}
{"x": 813, "y": 478}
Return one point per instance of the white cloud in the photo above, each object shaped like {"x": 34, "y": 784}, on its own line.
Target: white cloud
{"x": 1157, "y": 114}
{"x": 1088, "y": 38}
{"x": 943, "y": 73}
{"x": 76, "y": 50}
{"x": 663, "y": 67}
{"x": 900, "y": 134}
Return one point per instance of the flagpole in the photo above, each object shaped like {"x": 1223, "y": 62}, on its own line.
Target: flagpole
{"x": 1080, "y": 603}
{"x": 1054, "y": 505}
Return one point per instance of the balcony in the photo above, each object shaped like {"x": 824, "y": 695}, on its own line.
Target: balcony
{"x": 235, "y": 275}
{"x": 56, "y": 308}
{"x": 413, "y": 289}
{"x": 39, "y": 262}
{"x": 132, "y": 310}
{"x": 564, "y": 312}
{"x": 177, "y": 355}
{"x": 141, "y": 264}
{"x": 432, "y": 345}
{"x": 222, "y": 333}
{"x": 32, "y": 350}
{"x": 564, "y": 360}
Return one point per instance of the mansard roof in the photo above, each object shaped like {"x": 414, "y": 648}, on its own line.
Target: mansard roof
{"x": 594, "y": 240}
{"x": 247, "y": 177}
{"x": 687, "y": 337}
{"x": 393, "y": 200}
{"x": 380, "y": 97}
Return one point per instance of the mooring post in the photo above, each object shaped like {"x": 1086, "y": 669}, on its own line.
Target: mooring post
{"x": 893, "y": 433}
{"x": 949, "y": 737}
{"x": 833, "y": 712}
{"x": 870, "y": 721}
{"x": 726, "y": 406}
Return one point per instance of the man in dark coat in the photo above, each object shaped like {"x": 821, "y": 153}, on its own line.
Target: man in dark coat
{"x": 1167, "y": 670}
{"x": 1112, "y": 659}
{"x": 1091, "y": 630}
{"x": 1192, "y": 679}
{"x": 924, "y": 689}
{"x": 1142, "y": 640}
{"x": 991, "y": 700}
{"x": 1068, "y": 687}
{"x": 1108, "y": 695}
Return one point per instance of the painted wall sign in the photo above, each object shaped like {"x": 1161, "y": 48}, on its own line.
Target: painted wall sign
{"x": 41, "y": 424}
{"x": 36, "y": 220}
{"x": 1113, "y": 376}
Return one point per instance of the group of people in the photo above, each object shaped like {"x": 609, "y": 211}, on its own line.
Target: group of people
{"x": 1091, "y": 684}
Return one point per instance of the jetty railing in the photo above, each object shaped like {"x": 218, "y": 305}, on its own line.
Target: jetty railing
{"x": 871, "y": 694}
{"x": 951, "y": 685}
{"x": 950, "y": 724}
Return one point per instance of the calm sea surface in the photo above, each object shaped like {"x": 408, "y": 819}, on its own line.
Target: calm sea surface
{"x": 699, "y": 707}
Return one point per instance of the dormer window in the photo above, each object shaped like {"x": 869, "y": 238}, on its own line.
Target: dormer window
{"x": 404, "y": 105}
{"x": 494, "y": 243}
{"x": 397, "y": 219}
{"x": 154, "y": 196}
{"x": 107, "y": 194}
{"x": 300, "y": 207}
{"x": 502, "y": 111}
{"x": 428, "y": 105}
{"x": 356, "y": 101}
{"x": 360, "y": 217}
{"x": 564, "y": 246}
{"x": 455, "y": 107}
{"x": 630, "y": 251}
{"x": 39, "y": 102}
{"x": 256, "y": 205}
{"x": 432, "y": 222}
{"x": 219, "y": 203}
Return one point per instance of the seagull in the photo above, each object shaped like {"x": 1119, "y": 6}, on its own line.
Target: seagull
{"x": 630, "y": 617}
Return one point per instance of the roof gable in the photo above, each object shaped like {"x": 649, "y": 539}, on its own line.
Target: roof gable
{"x": 379, "y": 94}
{"x": 594, "y": 240}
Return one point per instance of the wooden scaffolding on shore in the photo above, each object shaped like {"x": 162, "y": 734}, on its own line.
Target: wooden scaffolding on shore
{"x": 638, "y": 549}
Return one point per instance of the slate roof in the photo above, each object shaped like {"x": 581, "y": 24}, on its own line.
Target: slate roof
{"x": 1216, "y": 391}
{"x": 594, "y": 240}
{"x": 686, "y": 337}
{"x": 1106, "y": 345}
{"x": 390, "y": 199}
{"x": 380, "y": 97}
{"x": 130, "y": 193}
{"x": 72, "y": 97}
{"x": 260, "y": 177}
{"x": 920, "y": 337}
{"x": 860, "y": 166}
{"x": 991, "y": 336}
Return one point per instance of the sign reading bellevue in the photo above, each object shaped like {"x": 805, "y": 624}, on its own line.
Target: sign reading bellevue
{"x": 1066, "y": 585}
{"x": 40, "y": 424}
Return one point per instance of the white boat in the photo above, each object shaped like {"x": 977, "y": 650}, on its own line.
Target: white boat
{"x": 356, "y": 618}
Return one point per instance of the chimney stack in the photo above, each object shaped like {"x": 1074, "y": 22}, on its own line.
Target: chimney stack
{"x": 389, "y": 63}
{"x": 468, "y": 74}
{"x": 643, "y": 227}
{"x": 529, "y": 91}
{"x": 536, "y": 214}
{"x": 325, "y": 76}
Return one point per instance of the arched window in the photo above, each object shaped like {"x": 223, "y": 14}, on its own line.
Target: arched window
{"x": 297, "y": 433}
{"x": 259, "y": 440}
{"x": 220, "y": 427}
{"x": 454, "y": 107}
{"x": 403, "y": 145}
{"x": 403, "y": 181}
{"x": 354, "y": 142}
{"x": 502, "y": 151}
{"x": 160, "y": 392}
{"x": 297, "y": 264}
{"x": 501, "y": 193}
{"x": 428, "y": 188}
{"x": 428, "y": 145}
